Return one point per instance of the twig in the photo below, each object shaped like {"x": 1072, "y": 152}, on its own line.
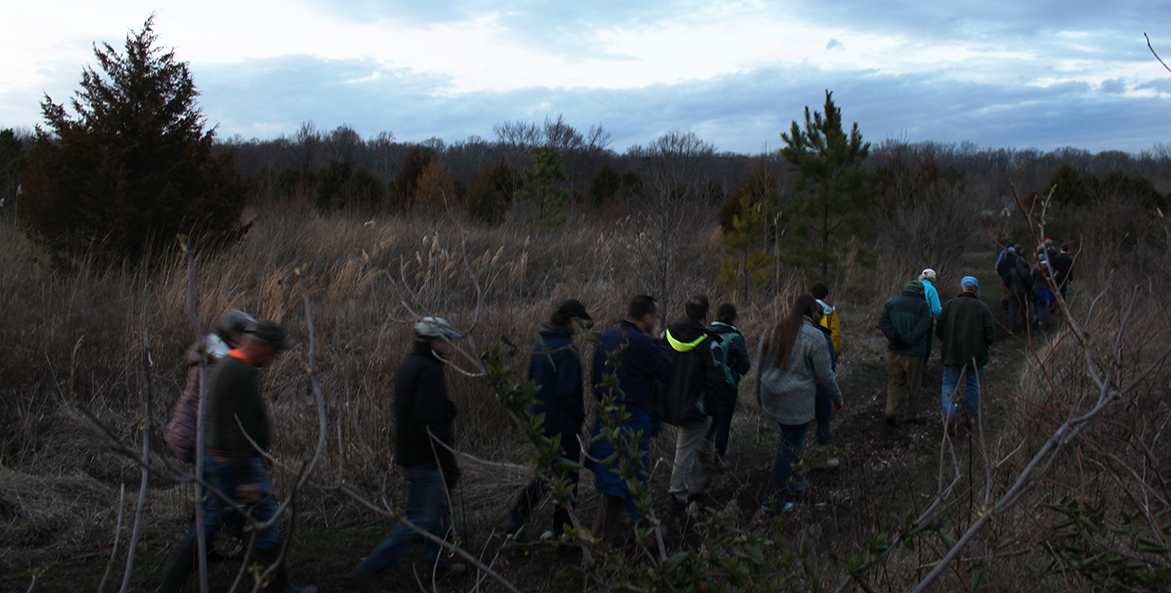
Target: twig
{"x": 146, "y": 365}
{"x": 200, "y": 436}
{"x": 1155, "y": 54}
{"x": 117, "y": 534}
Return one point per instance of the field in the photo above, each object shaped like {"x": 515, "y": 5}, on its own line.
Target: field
{"x": 91, "y": 347}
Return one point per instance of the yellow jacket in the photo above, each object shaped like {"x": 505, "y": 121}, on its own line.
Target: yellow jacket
{"x": 830, "y": 322}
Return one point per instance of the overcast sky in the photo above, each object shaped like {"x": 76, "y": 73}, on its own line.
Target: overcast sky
{"x": 1000, "y": 73}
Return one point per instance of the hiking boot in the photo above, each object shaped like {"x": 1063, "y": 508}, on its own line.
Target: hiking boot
{"x": 892, "y": 421}
{"x": 821, "y": 459}
{"x": 366, "y": 582}
{"x": 181, "y": 568}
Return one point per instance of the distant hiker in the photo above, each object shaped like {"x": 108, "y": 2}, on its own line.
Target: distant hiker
{"x": 823, "y": 457}
{"x": 793, "y": 360}
{"x": 829, "y": 317}
{"x": 423, "y": 418}
{"x": 181, "y": 432}
{"x": 732, "y": 357}
{"x": 1062, "y": 270}
{"x": 904, "y": 321}
{"x": 237, "y": 417}
{"x": 1019, "y": 293}
{"x": 642, "y": 360}
{"x": 927, "y": 277}
{"x": 693, "y": 390}
{"x": 966, "y": 330}
{"x": 1040, "y": 275}
{"x": 555, "y": 368}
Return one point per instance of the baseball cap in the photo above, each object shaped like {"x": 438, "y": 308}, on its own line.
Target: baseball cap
{"x": 573, "y": 308}
{"x": 970, "y": 282}
{"x": 271, "y": 331}
{"x": 434, "y": 328}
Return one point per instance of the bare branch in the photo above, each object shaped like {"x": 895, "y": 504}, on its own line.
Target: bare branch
{"x": 117, "y": 534}
{"x": 1155, "y": 54}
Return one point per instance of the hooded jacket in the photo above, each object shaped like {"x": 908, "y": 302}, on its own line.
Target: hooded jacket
{"x": 906, "y": 322}
{"x": 697, "y": 376}
{"x": 829, "y": 320}
{"x": 787, "y": 395}
{"x": 555, "y": 367}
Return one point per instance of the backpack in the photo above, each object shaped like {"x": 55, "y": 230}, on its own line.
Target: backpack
{"x": 182, "y": 431}
{"x": 721, "y": 344}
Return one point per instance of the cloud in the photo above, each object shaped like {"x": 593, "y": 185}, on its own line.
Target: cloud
{"x": 742, "y": 112}
{"x": 834, "y": 44}
{"x": 1113, "y": 86}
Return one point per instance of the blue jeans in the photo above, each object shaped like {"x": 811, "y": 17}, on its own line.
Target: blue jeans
{"x": 721, "y": 426}
{"x": 823, "y": 406}
{"x": 971, "y": 398}
{"x": 784, "y": 482}
{"x": 426, "y": 501}
{"x": 222, "y": 476}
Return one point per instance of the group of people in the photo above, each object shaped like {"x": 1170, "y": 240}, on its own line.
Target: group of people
{"x": 966, "y": 330}
{"x": 686, "y": 375}
{"x": 1029, "y": 288}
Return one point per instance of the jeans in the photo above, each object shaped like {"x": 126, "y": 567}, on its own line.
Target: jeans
{"x": 1018, "y": 310}
{"x": 222, "y": 476}
{"x": 823, "y": 406}
{"x": 971, "y": 398}
{"x": 687, "y": 473}
{"x": 426, "y": 501}
{"x": 721, "y": 426}
{"x": 536, "y": 490}
{"x": 784, "y": 481}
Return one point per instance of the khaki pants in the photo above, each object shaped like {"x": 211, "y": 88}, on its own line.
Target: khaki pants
{"x": 687, "y": 473}
{"x": 906, "y": 381}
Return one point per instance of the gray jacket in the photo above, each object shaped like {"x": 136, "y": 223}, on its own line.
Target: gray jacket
{"x": 787, "y": 395}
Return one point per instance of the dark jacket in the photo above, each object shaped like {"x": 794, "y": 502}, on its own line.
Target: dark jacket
{"x": 1004, "y": 265}
{"x": 234, "y": 392}
{"x": 833, "y": 363}
{"x": 1019, "y": 281}
{"x": 738, "y": 362}
{"x": 965, "y": 326}
{"x": 906, "y": 323}
{"x": 1062, "y": 266}
{"x": 641, "y": 363}
{"x": 555, "y": 367}
{"x": 697, "y": 376}
{"x": 1039, "y": 275}
{"x": 421, "y": 403}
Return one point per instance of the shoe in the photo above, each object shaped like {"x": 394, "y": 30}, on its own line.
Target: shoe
{"x": 366, "y": 582}
{"x": 181, "y": 568}
{"x": 788, "y": 507}
{"x": 678, "y": 506}
{"x": 511, "y": 525}
{"x": 892, "y": 421}
{"x": 280, "y": 581}
{"x": 451, "y": 570}
{"x": 832, "y": 462}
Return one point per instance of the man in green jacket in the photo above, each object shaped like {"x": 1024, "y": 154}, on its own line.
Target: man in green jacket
{"x": 906, "y": 322}
{"x": 966, "y": 328}
{"x": 237, "y": 433}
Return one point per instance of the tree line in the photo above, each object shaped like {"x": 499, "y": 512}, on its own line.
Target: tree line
{"x": 135, "y": 163}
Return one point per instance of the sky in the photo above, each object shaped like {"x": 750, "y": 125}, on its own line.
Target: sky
{"x": 999, "y": 73}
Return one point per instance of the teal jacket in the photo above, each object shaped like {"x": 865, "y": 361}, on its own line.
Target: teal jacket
{"x": 906, "y": 323}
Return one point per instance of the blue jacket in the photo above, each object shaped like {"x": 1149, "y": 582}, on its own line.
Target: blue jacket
{"x": 906, "y": 323}
{"x": 932, "y": 297}
{"x": 643, "y": 362}
{"x": 555, "y": 367}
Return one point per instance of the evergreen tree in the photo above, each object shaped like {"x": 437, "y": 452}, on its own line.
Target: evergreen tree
{"x": 492, "y": 193}
{"x": 543, "y": 192}
{"x": 835, "y": 194}
{"x": 134, "y": 167}
{"x": 746, "y": 267}
{"x": 11, "y": 163}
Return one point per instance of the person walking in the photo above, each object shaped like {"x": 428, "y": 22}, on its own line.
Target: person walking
{"x": 966, "y": 331}
{"x": 731, "y": 354}
{"x": 823, "y": 457}
{"x": 927, "y": 277}
{"x": 555, "y": 368}
{"x": 904, "y": 321}
{"x": 237, "y": 417}
{"x": 829, "y": 318}
{"x": 1041, "y": 276}
{"x": 692, "y": 391}
{"x": 793, "y": 360}
{"x": 181, "y": 432}
{"x": 1019, "y": 293}
{"x": 629, "y": 361}
{"x": 423, "y": 416}
{"x": 1062, "y": 269}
